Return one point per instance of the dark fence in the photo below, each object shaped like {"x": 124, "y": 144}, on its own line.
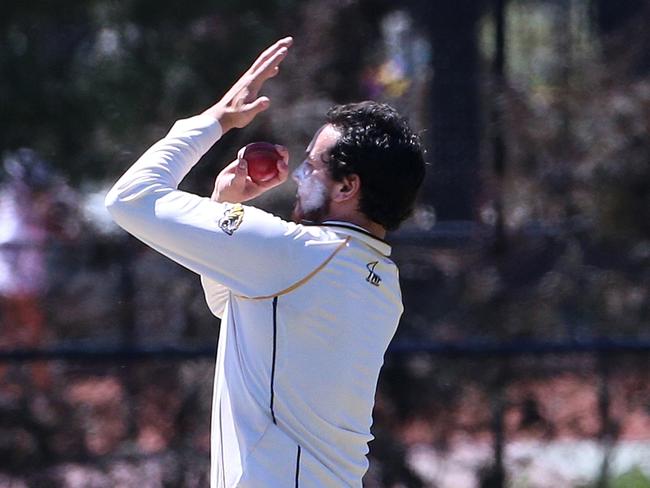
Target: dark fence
{"x": 109, "y": 395}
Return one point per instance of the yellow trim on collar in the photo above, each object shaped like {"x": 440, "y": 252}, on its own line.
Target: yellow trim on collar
{"x": 304, "y": 280}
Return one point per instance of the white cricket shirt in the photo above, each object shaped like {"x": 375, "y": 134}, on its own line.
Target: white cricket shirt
{"x": 307, "y": 314}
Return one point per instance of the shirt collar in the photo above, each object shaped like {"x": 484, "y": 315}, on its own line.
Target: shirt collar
{"x": 360, "y": 233}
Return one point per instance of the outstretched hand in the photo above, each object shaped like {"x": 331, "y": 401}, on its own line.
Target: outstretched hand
{"x": 240, "y": 104}
{"x": 234, "y": 185}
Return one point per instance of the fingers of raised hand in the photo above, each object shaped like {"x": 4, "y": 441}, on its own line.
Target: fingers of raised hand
{"x": 241, "y": 104}
{"x": 268, "y": 53}
{"x": 256, "y": 106}
{"x": 242, "y": 97}
{"x": 268, "y": 65}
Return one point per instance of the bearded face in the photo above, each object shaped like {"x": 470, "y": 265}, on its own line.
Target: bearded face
{"x": 313, "y": 199}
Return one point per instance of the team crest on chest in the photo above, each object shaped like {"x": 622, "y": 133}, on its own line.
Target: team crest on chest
{"x": 232, "y": 218}
{"x": 373, "y": 278}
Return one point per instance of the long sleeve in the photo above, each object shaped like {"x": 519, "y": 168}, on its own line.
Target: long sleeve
{"x": 216, "y": 296}
{"x": 241, "y": 247}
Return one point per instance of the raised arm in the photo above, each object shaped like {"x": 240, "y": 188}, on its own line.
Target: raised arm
{"x": 229, "y": 243}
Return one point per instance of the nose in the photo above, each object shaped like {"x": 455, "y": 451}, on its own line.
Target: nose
{"x": 300, "y": 172}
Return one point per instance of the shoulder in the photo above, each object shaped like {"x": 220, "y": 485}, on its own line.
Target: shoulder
{"x": 242, "y": 219}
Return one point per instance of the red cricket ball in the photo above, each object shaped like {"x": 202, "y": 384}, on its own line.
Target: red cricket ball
{"x": 262, "y": 159}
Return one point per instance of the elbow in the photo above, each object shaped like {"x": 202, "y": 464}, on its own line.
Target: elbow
{"x": 114, "y": 204}
{"x": 128, "y": 204}
{"x": 110, "y": 200}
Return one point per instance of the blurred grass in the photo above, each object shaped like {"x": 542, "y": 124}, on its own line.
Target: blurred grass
{"x": 632, "y": 479}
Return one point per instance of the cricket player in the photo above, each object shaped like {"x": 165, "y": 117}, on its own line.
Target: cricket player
{"x": 308, "y": 307}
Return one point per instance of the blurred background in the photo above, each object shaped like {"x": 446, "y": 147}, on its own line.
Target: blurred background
{"x": 523, "y": 357}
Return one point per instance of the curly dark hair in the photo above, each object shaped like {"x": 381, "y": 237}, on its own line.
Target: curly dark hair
{"x": 377, "y": 144}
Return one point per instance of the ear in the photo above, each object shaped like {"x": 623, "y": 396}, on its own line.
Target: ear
{"x": 346, "y": 189}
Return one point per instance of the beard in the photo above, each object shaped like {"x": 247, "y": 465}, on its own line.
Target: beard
{"x": 312, "y": 203}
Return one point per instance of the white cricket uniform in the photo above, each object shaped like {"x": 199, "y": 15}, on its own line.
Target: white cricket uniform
{"x": 307, "y": 314}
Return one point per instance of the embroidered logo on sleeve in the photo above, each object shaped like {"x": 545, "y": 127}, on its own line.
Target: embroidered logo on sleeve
{"x": 232, "y": 218}
{"x": 373, "y": 278}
